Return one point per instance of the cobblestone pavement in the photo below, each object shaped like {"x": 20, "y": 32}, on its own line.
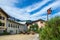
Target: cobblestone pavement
{"x": 20, "y": 37}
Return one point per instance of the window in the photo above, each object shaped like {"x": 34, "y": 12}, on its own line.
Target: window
{"x": 2, "y": 18}
{"x": 41, "y": 22}
{"x": 11, "y": 31}
{"x": 0, "y": 23}
{"x": 11, "y": 25}
{"x": 3, "y": 24}
{"x": 8, "y": 25}
{"x": 18, "y": 26}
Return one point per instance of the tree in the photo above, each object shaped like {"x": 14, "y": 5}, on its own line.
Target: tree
{"x": 34, "y": 28}
{"x": 52, "y": 30}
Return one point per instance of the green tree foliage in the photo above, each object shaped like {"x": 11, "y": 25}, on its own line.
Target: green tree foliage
{"x": 52, "y": 30}
{"x": 34, "y": 28}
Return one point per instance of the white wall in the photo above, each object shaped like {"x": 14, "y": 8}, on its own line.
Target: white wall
{"x": 22, "y": 28}
{"x": 13, "y": 30}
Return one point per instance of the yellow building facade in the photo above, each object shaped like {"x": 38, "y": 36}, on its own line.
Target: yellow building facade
{"x": 3, "y": 19}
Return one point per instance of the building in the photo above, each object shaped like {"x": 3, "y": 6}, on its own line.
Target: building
{"x": 40, "y": 23}
{"x": 10, "y": 24}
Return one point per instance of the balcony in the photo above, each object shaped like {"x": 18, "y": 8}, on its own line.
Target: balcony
{"x": 2, "y": 28}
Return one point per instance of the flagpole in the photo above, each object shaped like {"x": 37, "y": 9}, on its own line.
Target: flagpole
{"x": 47, "y": 16}
{"x": 48, "y": 12}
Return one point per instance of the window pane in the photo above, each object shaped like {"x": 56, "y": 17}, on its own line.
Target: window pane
{"x": 3, "y": 18}
{"x": 8, "y": 25}
{"x": 41, "y": 22}
{"x": 2, "y": 24}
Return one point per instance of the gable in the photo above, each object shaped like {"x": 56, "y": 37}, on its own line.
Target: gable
{"x": 2, "y": 11}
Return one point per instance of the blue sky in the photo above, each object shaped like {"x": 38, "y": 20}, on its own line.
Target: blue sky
{"x": 30, "y": 9}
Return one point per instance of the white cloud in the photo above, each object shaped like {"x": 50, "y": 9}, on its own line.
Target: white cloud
{"x": 8, "y": 6}
{"x": 8, "y": 2}
{"x": 23, "y": 14}
{"x": 53, "y": 6}
{"x": 36, "y": 6}
{"x": 16, "y": 12}
{"x": 43, "y": 11}
{"x": 45, "y": 16}
{"x": 56, "y": 14}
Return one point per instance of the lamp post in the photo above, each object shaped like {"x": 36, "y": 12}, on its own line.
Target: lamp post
{"x": 48, "y": 12}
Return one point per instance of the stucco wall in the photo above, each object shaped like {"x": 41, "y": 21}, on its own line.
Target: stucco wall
{"x": 41, "y": 24}
{"x": 16, "y": 30}
{"x": 38, "y": 23}
{"x": 3, "y": 21}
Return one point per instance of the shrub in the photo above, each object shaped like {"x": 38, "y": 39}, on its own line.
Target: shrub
{"x": 52, "y": 30}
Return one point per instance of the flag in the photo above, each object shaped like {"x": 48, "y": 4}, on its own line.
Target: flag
{"x": 49, "y": 11}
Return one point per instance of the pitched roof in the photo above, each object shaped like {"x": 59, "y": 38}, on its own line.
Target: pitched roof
{"x": 39, "y": 20}
{"x": 4, "y": 12}
{"x": 30, "y": 22}
{"x": 8, "y": 15}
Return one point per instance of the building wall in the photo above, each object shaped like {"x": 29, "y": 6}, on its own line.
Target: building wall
{"x": 39, "y": 23}
{"x": 23, "y": 28}
{"x": 15, "y": 28}
{"x": 3, "y": 20}
{"x": 29, "y": 26}
{"x": 12, "y": 27}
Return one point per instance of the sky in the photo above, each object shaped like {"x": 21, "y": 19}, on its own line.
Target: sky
{"x": 30, "y": 9}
